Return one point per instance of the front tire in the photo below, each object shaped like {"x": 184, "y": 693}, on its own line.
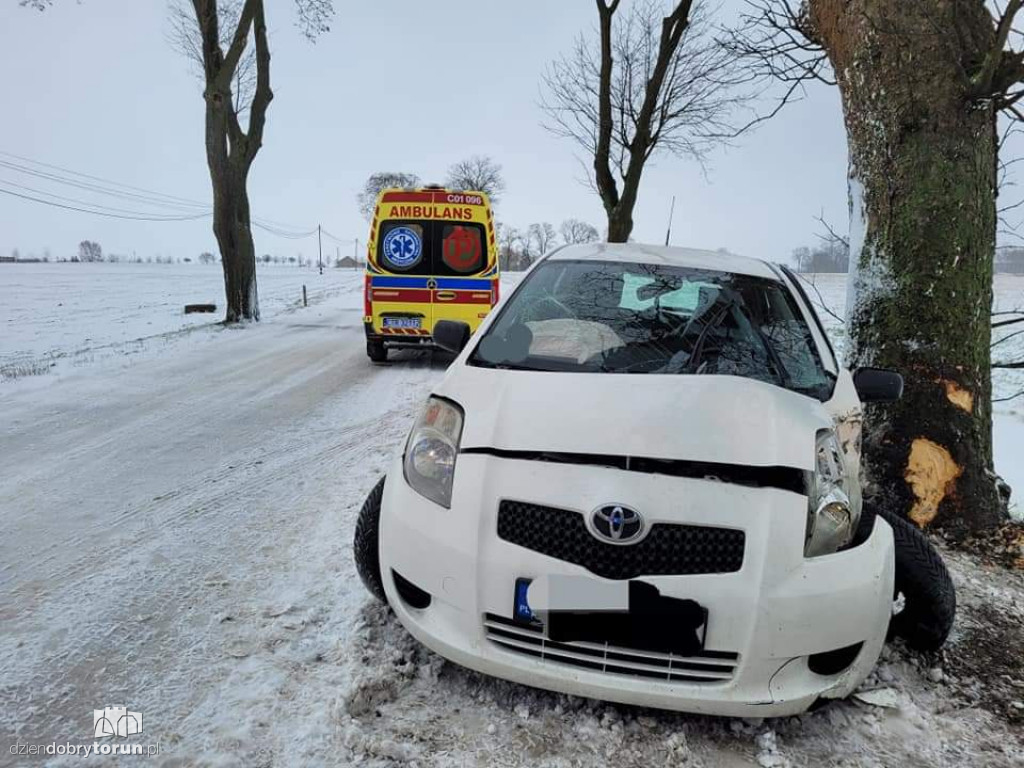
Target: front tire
{"x": 928, "y": 591}
{"x": 366, "y": 544}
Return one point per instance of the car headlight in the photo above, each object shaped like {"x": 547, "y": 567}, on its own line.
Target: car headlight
{"x": 429, "y": 461}
{"x": 831, "y": 519}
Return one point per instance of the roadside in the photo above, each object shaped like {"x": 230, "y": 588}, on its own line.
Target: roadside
{"x": 175, "y": 537}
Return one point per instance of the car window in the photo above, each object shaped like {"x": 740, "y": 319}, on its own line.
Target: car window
{"x": 431, "y": 248}
{"x": 685, "y": 298}
{"x": 612, "y": 317}
{"x": 405, "y": 247}
{"x": 462, "y": 249}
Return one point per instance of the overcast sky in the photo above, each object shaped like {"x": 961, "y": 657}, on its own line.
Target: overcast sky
{"x": 94, "y": 86}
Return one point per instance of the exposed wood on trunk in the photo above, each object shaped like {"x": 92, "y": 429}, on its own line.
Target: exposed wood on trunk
{"x": 923, "y": 223}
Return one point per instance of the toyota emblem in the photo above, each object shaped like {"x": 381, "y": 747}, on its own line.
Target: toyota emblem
{"x": 617, "y": 524}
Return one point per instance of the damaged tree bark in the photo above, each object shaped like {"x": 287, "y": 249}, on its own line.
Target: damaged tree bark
{"x": 922, "y": 179}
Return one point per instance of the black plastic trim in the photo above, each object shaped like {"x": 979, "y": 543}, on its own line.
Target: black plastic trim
{"x": 835, "y": 661}
{"x": 783, "y": 478}
{"x": 409, "y": 592}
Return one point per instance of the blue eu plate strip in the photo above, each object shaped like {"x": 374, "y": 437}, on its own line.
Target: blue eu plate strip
{"x": 522, "y": 610}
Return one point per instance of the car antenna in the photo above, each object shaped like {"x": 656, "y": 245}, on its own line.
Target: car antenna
{"x": 671, "y": 212}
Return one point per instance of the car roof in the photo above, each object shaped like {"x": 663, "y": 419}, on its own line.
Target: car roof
{"x": 639, "y": 253}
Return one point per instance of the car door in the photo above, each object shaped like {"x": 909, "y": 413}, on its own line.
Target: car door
{"x": 402, "y": 291}
{"x": 461, "y": 292}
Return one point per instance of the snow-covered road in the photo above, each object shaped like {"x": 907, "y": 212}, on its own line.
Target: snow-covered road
{"x": 175, "y": 537}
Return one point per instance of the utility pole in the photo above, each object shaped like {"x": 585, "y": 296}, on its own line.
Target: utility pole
{"x": 355, "y": 252}
{"x": 337, "y": 254}
{"x": 671, "y": 213}
{"x": 320, "y": 247}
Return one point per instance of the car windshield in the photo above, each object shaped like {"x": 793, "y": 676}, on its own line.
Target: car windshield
{"x": 617, "y": 317}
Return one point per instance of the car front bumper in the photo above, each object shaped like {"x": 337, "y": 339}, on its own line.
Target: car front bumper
{"x": 765, "y": 620}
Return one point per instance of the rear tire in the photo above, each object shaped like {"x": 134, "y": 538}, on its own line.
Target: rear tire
{"x": 366, "y": 544}
{"x": 928, "y": 591}
{"x": 376, "y": 351}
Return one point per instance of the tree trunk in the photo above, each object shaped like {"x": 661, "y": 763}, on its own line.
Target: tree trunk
{"x": 234, "y": 237}
{"x": 922, "y": 182}
{"x": 230, "y": 151}
{"x": 620, "y": 224}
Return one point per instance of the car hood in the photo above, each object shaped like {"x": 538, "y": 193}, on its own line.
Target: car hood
{"x": 723, "y": 419}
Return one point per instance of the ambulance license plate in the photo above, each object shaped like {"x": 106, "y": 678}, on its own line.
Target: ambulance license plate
{"x": 402, "y": 322}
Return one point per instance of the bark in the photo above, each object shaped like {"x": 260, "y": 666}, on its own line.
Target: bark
{"x": 922, "y": 175}
{"x": 230, "y": 151}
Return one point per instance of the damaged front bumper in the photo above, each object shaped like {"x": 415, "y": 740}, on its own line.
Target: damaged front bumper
{"x": 782, "y": 630}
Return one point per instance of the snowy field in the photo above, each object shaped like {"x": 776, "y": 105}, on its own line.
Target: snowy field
{"x": 66, "y": 315}
{"x": 176, "y": 510}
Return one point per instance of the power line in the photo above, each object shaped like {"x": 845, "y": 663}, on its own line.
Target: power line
{"x": 183, "y": 200}
{"x": 175, "y": 208}
{"x": 90, "y": 204}
{"x": 101, "y": 213}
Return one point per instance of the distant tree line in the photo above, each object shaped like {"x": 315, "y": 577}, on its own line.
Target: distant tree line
{"x": 1010, "y": 260}
{"x": 519, "y": 248}
{"x": 830, "y": 255}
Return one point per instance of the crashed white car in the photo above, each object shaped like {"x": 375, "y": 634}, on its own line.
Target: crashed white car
{"x": 638, "y": 482}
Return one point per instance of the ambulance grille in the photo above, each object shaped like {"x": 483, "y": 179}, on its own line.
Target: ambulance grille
{"x": 529, "y": 640}
{"x": 667, "y": 550}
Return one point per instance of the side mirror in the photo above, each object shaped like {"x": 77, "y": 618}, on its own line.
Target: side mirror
{"x": 451, "y": 335}
{"x": 877, "y": 385}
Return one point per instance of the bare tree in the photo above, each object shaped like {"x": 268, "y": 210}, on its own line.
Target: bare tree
{"x": 367, "y": 197}
{"x": 90, "y": 251}
{"x": 478, "y": 173}
{"x": 216, "y": 37}
{"x": 541, "y": 238}
{"x": 650, "y": 84}
{"x": 507, "y": 239}
{"x": 576, "y": 231}
{"x": 923, "y": 84}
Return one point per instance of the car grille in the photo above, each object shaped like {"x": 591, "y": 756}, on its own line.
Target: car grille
{"x": 667, "y": 550}
{"x": 528, "y": 640}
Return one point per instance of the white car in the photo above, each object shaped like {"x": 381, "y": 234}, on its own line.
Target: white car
{"x": 638, "y": 482}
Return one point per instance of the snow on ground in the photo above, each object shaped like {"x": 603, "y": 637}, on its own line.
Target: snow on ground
{"x": 175, "y": 529}
{"x": 61, "y": 315}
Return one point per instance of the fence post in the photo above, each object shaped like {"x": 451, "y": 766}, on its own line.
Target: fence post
{"x": 304, "y": 303}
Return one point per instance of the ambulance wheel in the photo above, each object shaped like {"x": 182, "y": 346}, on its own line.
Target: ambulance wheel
{"x": 376, "y": 351}
{"x": 366, "y": 544}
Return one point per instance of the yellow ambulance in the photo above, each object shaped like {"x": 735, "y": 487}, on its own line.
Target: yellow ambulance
{"x": 431, "y": 255}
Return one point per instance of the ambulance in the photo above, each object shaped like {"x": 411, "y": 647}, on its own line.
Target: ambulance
{"x": 431, "y": 255}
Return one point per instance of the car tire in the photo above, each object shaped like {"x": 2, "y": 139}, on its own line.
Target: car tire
{"x": 866, "y": 524}
{"x": 928, "y": 591}
{"x": 376, "y": 351}
{"x": 365, "y": 545}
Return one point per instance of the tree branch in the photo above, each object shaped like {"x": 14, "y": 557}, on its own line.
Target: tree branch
{"x": 263, "y": 96}
{"x": 602, "y": 155}
{"x": 984, "y": 81}
{"x": 238, "y": 43}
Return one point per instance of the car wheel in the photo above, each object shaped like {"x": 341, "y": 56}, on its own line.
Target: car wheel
{"x": 929, "y": 597}
{"x": 366, "y": 543}
{"x": 376, "y": 351}
{"x": 866, "y": 524}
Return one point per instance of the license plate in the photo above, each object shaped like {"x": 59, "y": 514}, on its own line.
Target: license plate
{"x": 402, "y": 322}
{"x": 648, "y": 620}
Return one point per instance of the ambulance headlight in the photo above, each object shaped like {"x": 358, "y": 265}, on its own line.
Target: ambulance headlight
{"x": 429, "y": 462}
{"x": 831, "y": 519}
